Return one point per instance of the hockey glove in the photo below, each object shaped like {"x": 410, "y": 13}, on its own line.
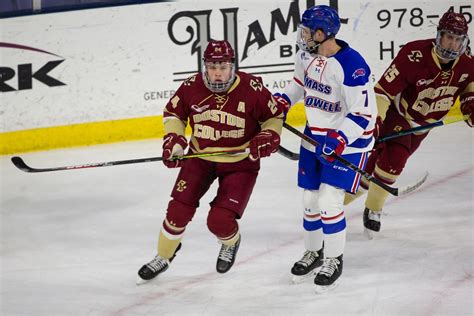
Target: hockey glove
{"x": 173, "y": 146}
{"x": 264, "y": 144}
{"x": 468, "y": 109}
{"x": 284, "y": 103}
{"x": 334, "y": 143}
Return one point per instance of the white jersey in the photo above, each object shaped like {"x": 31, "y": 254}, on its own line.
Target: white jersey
{"x": 338, "y": 94}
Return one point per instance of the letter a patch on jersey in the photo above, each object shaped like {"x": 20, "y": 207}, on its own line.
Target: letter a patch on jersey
{"x": 241, "y": 107}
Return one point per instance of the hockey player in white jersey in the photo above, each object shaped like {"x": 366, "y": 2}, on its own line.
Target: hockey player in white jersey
{"x": 335, "y": 82}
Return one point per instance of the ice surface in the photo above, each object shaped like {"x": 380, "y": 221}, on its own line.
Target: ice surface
{"x": 73, "y": 241}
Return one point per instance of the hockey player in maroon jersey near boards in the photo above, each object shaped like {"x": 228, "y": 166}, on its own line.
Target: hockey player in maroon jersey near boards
{"x": 228, "y": 110}
{"x": 419, "y": 87}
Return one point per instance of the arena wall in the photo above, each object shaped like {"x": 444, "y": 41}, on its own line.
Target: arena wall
{"x": 104, "y": 75}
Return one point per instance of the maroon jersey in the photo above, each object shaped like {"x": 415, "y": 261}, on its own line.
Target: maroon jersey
{"x": 418, "y": 86}
{"x": 222, "y": 121}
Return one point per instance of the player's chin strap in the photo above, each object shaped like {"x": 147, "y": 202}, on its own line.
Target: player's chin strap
{"x": 20, "y": 164}
{"x": 369, "y": 177}
{"x": 314, "y": 49}
{"x": 295, "y": 156}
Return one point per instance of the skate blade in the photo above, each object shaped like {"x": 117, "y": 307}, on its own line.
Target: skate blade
{"x": 140, "y": 281}
{"x": 369, "y": 234}
{"x": 321, "y": 289}
{"x": 297, "y": 279}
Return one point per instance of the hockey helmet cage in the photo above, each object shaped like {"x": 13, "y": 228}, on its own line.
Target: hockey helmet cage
{"x": 320, "y": 17}
{"x": 218, "y": 52}
{"x": 455, "y": 25}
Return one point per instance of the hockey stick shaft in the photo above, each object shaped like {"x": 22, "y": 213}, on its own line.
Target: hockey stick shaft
{"x": 422, "y": 128}
{"x": 20, "y": 163}
{"x": 288, "y": 153}
{"x": 369, "y": 177}
{"x": 295, "y": 156}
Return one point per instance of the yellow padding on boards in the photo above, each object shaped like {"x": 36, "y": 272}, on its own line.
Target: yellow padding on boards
{"x": 108, "y": 132}
{"x": 81, "y": 134}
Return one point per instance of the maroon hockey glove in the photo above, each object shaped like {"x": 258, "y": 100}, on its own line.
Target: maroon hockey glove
{"x": 468, "y": 109}
{"x": 264, "y": 144}
{"x": 334, "y": 143}
{"x": 173, "y": 146}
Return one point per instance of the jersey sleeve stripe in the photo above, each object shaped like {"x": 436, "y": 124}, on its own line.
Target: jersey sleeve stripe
{"x": 319, "y": 129}
{"x": 361, "y": 142}
{"x": 369, "y": 116}
{"x": 298, "y": 81}
{"x": 359, "y": 120}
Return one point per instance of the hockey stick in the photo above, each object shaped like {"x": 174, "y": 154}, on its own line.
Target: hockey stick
{"x": 422, "y": 128}
{"x": 20, "y": 164}
{"x": 295, "y": 156}
{"x": 288, "y": 153}
{"x": 369, "y": 177}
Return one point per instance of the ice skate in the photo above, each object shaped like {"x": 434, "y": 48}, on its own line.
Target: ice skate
{"x": 330, "y": 271}
{"x": 371, "y": 223}
{"x": 226, "y": 257}
{"x": 307, "y": 265}
{"x": 155, "y": 267}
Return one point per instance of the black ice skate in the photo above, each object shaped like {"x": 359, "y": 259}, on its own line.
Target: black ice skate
{"x": 371, "y": 222}
{"x": 329, "y": 273}
{"x": 226, "y": 257}
{"x": 156, "y": 266}
{"x": 306, "y": 266}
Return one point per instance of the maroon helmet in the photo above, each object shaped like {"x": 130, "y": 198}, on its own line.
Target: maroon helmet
{"x": 453, "y": 22}
{"x": 454, "y": 25}
{"x": 218, "y": 52}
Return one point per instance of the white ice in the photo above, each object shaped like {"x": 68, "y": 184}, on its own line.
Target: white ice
{"x": 72, "y": 241}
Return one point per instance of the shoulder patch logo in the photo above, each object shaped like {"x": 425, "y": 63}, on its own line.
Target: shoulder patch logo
{"x": 358, "y": 73}
{"x": 189, "y": 81}
{"x": 415, "y": 56}
{"x": 256, "y": 85}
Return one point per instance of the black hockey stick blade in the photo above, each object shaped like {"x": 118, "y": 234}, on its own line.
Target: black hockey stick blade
{"x": 288, "y": 153}
{"x": 20, "y": 164}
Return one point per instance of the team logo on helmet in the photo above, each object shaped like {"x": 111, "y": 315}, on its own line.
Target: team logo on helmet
{"x": 219, "y": 51}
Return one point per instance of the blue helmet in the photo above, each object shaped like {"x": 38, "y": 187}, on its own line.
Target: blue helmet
{"x": 322, "y": 17}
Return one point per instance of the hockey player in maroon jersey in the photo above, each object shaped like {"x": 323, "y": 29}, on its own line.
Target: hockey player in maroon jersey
{"x": 228, "y": 110}
{"x": 419, "y": 87}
